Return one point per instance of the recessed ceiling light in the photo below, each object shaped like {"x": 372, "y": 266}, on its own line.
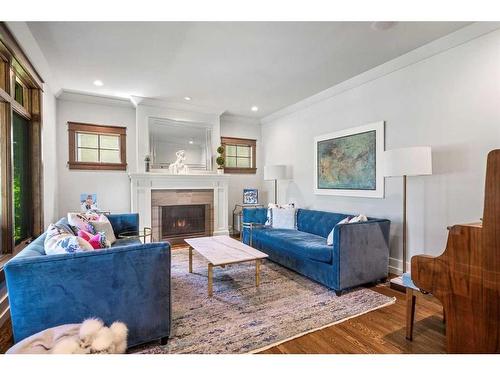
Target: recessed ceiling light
{"x": 254, "y": 108}
{"x": 191, "y": 142}
{"x": 98, "y": 82}
{"x": 188, "y": 98}
{"x": 382, "y": 26}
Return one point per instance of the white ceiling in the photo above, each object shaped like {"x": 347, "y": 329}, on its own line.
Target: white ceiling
{"x": 223, "y": 65}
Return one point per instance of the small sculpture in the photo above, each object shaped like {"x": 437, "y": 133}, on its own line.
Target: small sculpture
{"x": 179, "y": 167}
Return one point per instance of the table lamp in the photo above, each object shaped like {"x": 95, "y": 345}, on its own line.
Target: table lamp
{"x": 275, "y": 173}
{"x": 404, "y": 162}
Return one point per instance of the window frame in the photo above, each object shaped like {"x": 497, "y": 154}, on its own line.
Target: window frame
{"x": 79, "y": 127}
{"x": 230, "y": 141}
{"x": 15, "y": 67}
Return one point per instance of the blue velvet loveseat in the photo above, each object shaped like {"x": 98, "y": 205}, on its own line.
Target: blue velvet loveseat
{"x": 129, "y": 282}
{"x": 359, "y": 255}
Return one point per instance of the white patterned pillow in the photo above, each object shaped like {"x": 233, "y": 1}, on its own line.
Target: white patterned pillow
{"x": 60, "y": 241}
{"x": 284, "y": 218}
{"x": 81, "y": 221}
{"x": 270, "y": 207}
{"x": 103, "y": 225}
{"x": 329, "y": 239}
{"x": 358, "y": 219}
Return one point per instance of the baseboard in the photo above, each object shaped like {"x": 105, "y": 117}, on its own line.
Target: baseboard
{"x": 396, "y": 266}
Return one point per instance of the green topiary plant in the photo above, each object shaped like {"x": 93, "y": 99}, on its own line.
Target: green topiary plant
{"x": 220, "y": 159}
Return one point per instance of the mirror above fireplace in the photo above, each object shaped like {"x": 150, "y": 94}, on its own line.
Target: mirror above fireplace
{"x": 166, "y": 137}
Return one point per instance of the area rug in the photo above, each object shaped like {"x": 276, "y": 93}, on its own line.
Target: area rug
{"x": 241, "y": 318}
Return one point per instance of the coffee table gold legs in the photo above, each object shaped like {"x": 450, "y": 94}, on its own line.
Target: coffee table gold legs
{"x": 190, "y": 259}
{"x": 257, "y": 272}
{"x": 210, "y": 279}
{"x": 211, "y": 272}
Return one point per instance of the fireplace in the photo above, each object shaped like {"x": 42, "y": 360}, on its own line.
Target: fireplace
{"x": 178, "y": 214}
{"x": 182, "y": 221}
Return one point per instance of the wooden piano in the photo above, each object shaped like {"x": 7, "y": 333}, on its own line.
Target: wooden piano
{"x": 466, "y": 277}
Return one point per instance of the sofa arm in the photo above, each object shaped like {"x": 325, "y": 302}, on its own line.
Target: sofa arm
{"x": 129, "y": 283}
{"x": 124, "y": 223}
{"x": 361, "y": 251}
{"x": 254, "y": 215}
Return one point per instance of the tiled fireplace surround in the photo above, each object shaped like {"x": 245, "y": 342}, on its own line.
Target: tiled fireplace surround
{"x": 151, "y": 191}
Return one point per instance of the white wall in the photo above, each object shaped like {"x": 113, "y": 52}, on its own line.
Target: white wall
{"x": 243, "y": 127}
{"x": 112, "y": 187}
{"x": 449, "y": 101}
{"x": 49, "y": 157}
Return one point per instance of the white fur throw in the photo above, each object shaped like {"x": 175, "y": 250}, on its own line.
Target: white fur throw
{"x": 90, "y": 337}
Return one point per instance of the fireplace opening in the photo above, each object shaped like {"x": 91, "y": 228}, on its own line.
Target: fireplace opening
{"x": 183, "y": 221}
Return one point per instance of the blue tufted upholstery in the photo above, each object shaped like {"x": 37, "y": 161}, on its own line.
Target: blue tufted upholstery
{"x": 359, "y": 255}
{"x": 256, "y": 215}
{"x": 300, "y": 244}
{"x": 319, "y": 223}
{"x": 129, "y": 282}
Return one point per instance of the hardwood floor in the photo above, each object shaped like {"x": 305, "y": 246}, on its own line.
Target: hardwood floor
{"x": 380, "y": 331}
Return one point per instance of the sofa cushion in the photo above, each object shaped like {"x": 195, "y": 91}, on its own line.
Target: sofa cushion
{"x": 319, "y": 223}
{"x": 295, "y": 243}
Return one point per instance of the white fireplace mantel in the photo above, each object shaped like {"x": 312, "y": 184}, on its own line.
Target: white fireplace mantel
{"x": 141, "y": 185}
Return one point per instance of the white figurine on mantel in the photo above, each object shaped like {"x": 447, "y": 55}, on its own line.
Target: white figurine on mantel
{"x": 179, "y": 167}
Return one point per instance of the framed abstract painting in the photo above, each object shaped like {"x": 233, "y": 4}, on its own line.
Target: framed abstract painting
{"x": 349, "y": 162}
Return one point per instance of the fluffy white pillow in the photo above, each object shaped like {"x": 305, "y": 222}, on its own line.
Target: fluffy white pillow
{"x": 284, "y": 218}
{"x": 329, "y": 239}
{"x": 103, "y": 225}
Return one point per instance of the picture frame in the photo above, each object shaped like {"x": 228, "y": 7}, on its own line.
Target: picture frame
{"x": 348, "y": 162}
{"x": 250, "y": 196}
{"x": 88, "y": 201}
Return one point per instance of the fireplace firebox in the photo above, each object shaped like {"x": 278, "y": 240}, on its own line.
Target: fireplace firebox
{"x": 184, "y": 221}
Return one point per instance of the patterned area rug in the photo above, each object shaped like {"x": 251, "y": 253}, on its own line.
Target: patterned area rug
{"x": 240, "y": 318}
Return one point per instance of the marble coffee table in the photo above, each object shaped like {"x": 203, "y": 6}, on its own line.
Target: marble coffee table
{"x": 220, "y": 251}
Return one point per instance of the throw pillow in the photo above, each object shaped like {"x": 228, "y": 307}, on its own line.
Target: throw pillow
{"x": 98, "y": 241}
{"x": 284, "y": 218}
{"x": 59, "y": 241}
{"x": 270, "y": 207}
{"x": 329, "y": 239}
{"x": 104, "y": 227}
{"x": 358, "y": 219}
{"x": 80, "y": 221}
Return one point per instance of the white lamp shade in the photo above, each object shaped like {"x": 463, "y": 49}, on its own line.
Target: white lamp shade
{"x": 410, "y": 161}
{"x": 275, "y": 172}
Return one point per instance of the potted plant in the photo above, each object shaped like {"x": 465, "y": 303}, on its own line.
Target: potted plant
{"x": 220, "y": 160}
{"x": 147, "y": 160}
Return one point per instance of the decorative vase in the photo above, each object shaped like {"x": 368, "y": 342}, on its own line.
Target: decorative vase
{"x": 147, "y": 166}
{"x": 220, "y": 170}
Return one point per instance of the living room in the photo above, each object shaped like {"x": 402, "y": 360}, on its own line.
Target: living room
{"x": 190, "y": 187}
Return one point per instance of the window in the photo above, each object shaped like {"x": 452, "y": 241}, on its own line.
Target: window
{"x": 97, "y": 147}
{"x": 21, "y": 174}
{"x": 239, "y": 154}
{"x": 22, "y": 179}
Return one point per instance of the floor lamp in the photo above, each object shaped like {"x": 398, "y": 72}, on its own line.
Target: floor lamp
{"x": 405, "y": 162}
{"x": 275, "y": 173}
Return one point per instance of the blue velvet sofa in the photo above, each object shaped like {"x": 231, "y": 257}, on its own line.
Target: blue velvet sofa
{"x": 129, "y": 282}
{"x": 359, "y": 255}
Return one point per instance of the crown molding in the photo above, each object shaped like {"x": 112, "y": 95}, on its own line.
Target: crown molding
{"x": 85, "y": 97}
{"x": 241, "y": 119}
{"x": 433, "y": 48}
{"x": 178, "y": 106}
